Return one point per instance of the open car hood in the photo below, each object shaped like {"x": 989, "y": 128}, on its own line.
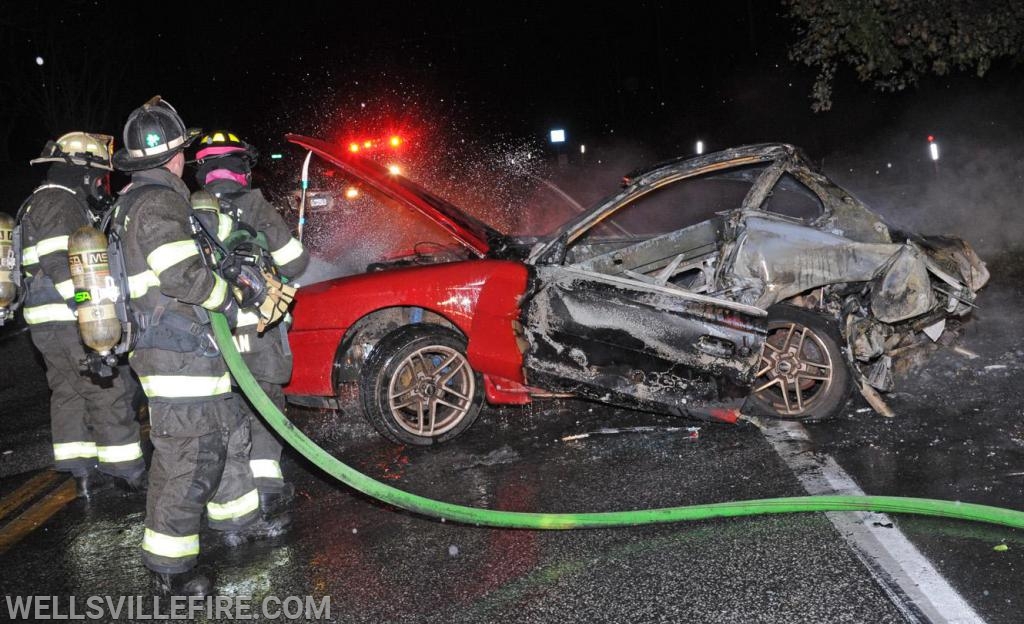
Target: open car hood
{"x": 474, "y": 234}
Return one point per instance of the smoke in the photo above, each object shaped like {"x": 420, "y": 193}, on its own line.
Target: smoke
{"x": 976, "y": 188}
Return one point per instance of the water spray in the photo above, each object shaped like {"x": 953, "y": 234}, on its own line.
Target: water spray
{"x": 524, "y": 520}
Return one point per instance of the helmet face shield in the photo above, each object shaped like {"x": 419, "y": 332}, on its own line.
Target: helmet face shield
{"x": 85, "y": 149}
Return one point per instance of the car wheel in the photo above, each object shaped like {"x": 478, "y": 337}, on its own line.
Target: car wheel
{"x": 417, "y": 386}
{"x": 802, "y": 374}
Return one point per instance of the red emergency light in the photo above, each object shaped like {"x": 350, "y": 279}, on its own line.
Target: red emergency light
{"x": 931, "y": 139}
{"x": 394, "y": 141}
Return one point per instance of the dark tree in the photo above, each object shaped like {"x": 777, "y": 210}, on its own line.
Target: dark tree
{"x": 893, "y": 43}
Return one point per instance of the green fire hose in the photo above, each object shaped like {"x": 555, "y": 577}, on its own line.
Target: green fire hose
{"x": 522, "y": 520}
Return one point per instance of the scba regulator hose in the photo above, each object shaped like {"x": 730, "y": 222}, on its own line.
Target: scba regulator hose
{"x": 523, "y": 520}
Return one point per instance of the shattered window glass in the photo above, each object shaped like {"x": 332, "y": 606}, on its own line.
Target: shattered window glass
{"x": 792, "y": 199}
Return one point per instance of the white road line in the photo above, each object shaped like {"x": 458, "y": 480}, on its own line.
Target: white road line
{"x": 911, "y": 581}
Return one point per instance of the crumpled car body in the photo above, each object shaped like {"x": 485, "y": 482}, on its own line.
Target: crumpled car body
{"x": 660, "y": 297}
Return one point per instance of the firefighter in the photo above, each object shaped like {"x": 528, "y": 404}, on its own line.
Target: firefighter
{"x": 95, "y": 431}
{"x": 199, "y": 433}
{"x": 224, "y": 169}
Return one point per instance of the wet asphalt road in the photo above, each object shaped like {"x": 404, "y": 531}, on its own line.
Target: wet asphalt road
{"x": 958, "y": 435}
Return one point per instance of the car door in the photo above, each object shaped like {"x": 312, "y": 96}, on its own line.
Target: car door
{"x": 631, "y": 323}
{"x": 625, "y": 342}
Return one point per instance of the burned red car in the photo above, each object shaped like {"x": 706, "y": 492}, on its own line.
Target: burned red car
{"x": 738, "y": 282}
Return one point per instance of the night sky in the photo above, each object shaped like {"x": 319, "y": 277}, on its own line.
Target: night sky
{"x": 662, "y": 74}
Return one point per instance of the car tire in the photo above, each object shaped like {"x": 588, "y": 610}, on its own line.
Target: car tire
{"x": 417, "y": 386}
{"x": 802, "y": 373}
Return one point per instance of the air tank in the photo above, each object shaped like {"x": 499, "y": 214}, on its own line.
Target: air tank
{"x": 96, "y": 291}
{"x": 8, "y": 289}
{"x": 207, "y": 209}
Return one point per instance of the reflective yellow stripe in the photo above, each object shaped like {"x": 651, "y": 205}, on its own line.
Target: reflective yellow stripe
{"x": 122, "y": 453}
{"x": 50, "y": 245}
{"x": 49, "y": 313}
{"x": 166, "y": 256}
{"x": 287, "y": 253}
{"x": 139, "y": 284}
{"x": 265, "y": 469}
{"x": 170, "y": 546}
{"x": 217, "y": 295}
{"x": 224, "y": 226}
{"x": 74, "y": 450}
{"x": 185, "y": 386}
{"x": 247, "y": 318}
{"x": 30, "y": 256}
{"x": 237, "y": 508}
{"x": 66, "y": 289}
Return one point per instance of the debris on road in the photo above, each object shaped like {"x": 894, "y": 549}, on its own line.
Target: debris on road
{"x": 967, "y": 353}
{"x": 875, "y": 400}
{"x": 757, "y": 421}
{"x": 694, "y": 432}
{"x": 992, "y": 367}
{"x": 1001, "y": 548}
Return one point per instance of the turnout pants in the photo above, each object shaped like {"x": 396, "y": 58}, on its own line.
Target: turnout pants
{"x": 92, "y": 420}
{"x": 200, "y": 463}
{"x": 265, "y": 458}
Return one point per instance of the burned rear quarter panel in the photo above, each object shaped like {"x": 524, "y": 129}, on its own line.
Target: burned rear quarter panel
{"x": 479, "y": 297}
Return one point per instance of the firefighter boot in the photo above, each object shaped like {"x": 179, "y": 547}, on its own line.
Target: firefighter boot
{"x": 259, "y": 529}
{"x": 275, "y": 503}
{"x": 90, "y": 483}
{"x": 134, "y": 485}
{"x": 189, "y": 583}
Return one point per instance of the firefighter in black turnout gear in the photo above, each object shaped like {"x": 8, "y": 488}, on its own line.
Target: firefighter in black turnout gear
{"x": 95, "y": 432}
{"x": 199, "y": 433}
{"x": 224, "y": 169}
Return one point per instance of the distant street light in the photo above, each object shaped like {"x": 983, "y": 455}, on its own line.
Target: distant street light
{"x": 394, "y": 169}
{"x": 583, "y": 149}
{"x": 934, "y": 148}
{"x": 700, "y": 147}
{"x": 39, "y": 61}
{"x": 558, "y": 136}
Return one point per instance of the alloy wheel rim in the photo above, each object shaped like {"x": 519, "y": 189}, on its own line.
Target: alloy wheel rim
{"x": 796, "y": 369}
{"x": 431, "y": 391}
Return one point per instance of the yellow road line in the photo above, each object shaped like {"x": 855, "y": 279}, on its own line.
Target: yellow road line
{"x": 28, "y": 490}
{"x": 36, "y": 515}
{"x": 43, "y": 509}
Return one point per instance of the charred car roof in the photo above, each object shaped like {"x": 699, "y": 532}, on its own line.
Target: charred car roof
{"x": 756, "y": 153}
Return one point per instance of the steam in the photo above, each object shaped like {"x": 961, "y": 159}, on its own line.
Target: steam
{"x": 974, "y": 191}
{"x": 491, "y": 176}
